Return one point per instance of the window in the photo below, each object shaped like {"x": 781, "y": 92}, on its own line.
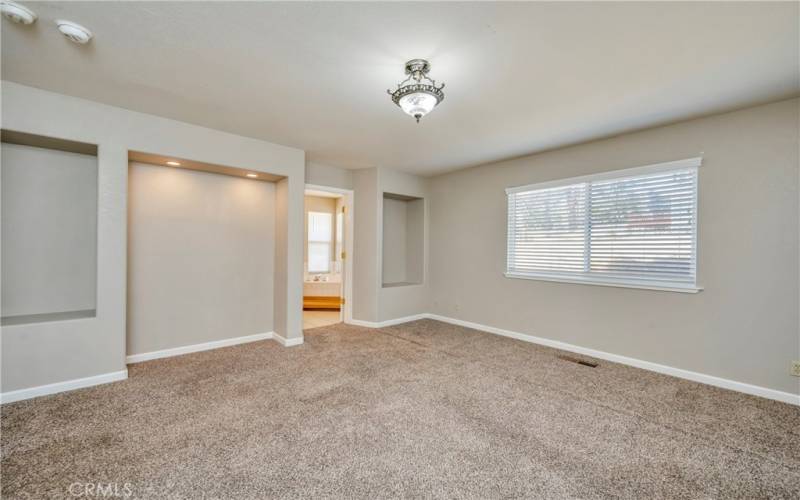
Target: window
{"x": 635, "y": 227}
{"x": 320, "y": 231}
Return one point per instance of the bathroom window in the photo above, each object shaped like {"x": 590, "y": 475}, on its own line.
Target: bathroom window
{"x": 320, "y": 233}
{"x": 634, "y": 228}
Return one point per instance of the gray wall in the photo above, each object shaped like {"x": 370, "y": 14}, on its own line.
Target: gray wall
{"x": 60, "y": 351}
{"x": 49, "y": 231}
{"x": 403, "y": 240}
{"x": 415, "y": 241}
{"x": 328, "y": 175}
{"x": 200, "y": 257}
{"x": 288, "y": 304}
{"x": 402, "y": 301}
{"x": 395, "y": 222}
{"x": 366, "y": 246}
{"x": 743, "y": 326}
{"x": 371, "y": 302}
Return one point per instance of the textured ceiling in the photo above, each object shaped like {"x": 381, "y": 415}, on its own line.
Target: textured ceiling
{"x": 521, "y": 77}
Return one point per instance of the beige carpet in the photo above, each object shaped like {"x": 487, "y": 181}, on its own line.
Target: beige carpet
{"x": 424, "y": 409}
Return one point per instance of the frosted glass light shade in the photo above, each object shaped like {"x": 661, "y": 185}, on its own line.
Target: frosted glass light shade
{"x": 418, "y": 104}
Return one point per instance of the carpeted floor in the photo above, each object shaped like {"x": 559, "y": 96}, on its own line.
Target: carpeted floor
{"x": 424, "y": 409}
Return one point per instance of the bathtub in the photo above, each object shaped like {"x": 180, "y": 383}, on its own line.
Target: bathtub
{"x": 330, "y": 288}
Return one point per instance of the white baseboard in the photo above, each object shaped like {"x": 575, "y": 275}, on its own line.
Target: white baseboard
{"x": 359, "y": 322}
{"x": 206, "y": 346}
{"x": 754, "y": 390}
{"x": 69, "y": 385}
{"x": 287, "y": 342}
{"x": 732, "y": 385}
{"x": 786, "y": 397}
{"x": 388, "y": 322}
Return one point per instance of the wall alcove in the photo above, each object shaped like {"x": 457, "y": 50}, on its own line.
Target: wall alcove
{"x": 403, "y": 240}
{"x": 49, "y": 228}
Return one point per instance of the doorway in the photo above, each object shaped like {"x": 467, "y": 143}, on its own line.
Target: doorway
{"x": 327, "y": 251}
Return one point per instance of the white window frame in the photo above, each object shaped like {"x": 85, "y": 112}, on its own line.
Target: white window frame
{"x": 602, "y": 280}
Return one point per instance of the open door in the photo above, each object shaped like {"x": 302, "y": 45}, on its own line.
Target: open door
{"x": 327, "y": 277}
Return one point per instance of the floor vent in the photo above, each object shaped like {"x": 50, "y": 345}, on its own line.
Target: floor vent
{"x": 590, "y": 364}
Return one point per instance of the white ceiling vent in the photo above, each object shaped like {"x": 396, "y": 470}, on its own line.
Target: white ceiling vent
{"x": 74, "y": 31}
{"x": 17, "y": 13}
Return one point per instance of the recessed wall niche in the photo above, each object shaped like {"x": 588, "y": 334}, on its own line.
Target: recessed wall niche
{"x": 403, "y": 240}
{"x": 49, "y": 229}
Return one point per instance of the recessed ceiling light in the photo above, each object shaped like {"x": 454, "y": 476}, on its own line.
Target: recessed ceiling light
{"x": 252, "y": 176}
{"x": 74, "y": 31}
{"x": 174, "y": 163}
{"x": 17, "y": 13}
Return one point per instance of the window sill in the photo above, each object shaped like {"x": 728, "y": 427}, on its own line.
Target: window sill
{"x": 607, "y": 282}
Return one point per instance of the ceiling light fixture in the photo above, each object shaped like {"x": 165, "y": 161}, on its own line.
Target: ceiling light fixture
{"x": 74, "y": 31}
{"x": 418, "y": 94}
{"x": 174, "y": 163}
{"x": 17, "y": 13}
{"x": 252, "y": 176}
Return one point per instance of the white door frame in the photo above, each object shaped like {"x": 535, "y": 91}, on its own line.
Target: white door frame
{"x": 349, "y": 199}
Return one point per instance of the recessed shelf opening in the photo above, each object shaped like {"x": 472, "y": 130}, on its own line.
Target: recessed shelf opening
{"x": 49, "y": 227}
{"x": 403, "y": 240}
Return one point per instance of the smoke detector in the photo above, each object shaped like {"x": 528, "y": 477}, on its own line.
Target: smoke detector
{"x": 17, "y": 13}
{"x": 74, "y": 31}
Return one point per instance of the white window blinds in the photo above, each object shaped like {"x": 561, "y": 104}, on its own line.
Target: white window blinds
{"x": 320, "y": 232}
{"x": 633, "y": 227}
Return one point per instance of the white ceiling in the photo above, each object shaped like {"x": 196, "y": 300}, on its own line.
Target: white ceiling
{"x": 521, "y": 77}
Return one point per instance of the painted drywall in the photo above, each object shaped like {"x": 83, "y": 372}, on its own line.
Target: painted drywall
{"x": 324, "y": 205}
{"x": 743, "y": 326}
{"x": 56, "y": 352}
{"x": 403, "y": 241}
{"x": 366, "y": 247}
{"x": 288, "y": 308}
{"x": 328, "y": 175}
{"x": 401, "y": 301}
{"x": 49, "y": 231}
{"x": 521, "y": 76}
{"x": 415, "y": 241}
{"x": 200, "y": 257}
{"x": 371, "y": 302}
{"x": 394, "y": 255}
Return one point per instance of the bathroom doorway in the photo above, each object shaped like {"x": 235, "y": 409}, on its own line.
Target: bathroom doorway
{"x": 327, "y": 251}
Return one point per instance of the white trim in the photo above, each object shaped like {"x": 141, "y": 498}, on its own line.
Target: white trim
{"x": 388, "y": 322}
{"x": 69, "y": 385}
{"x": 206, "y": 346}
{"x": 365, "y": 324}
{"x": 754, "y": 390}
{"x": 613, "y": 174}
{"x": 786, "y": 397}
{"x": 287, "y": 342}
{"x": 621, "y": 283}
